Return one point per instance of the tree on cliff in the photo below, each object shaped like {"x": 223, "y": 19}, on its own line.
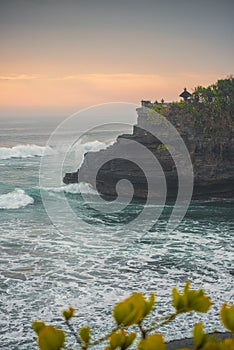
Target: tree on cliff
{"x": 209, "y": 111}
{"x": 218, "y": 99}
{"x": 211, "y": 107}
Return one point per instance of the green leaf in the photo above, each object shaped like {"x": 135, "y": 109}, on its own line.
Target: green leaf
{"x": 68, "y": 314}
{"x": 177, "y": 300}
{"x": 133, "y": 309}
{"x": 227, "y": 316}
{"x": 120, "y": 312}
{"x": 200, "y": 302}
{"x": 227, "y": 344}
{"x": 149, "y": 304}
{"x": 199, "y": 337}
{"x": 119, "y": 339}
{"x": 152, "y": 342}
{"x": 190, "y": 300}
{"x": 129, "y": 339}
{"x": 50, "y": 338}
{"x": 116, "y": 339}
{"x": 37, "y": 326}
{"x": 85, "y": 334}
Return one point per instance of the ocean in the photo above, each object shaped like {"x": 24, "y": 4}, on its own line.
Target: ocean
{"x": 47, "y": 266}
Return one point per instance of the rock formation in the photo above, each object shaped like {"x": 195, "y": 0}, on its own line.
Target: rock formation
{"x": 210, "y": 142}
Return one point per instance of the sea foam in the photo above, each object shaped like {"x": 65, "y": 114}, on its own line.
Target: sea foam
{"x": 24, "y": 151}
{"x": 15, "y": 199}
{"x": 75, "y": 188}
{"x": 78, "y": 150}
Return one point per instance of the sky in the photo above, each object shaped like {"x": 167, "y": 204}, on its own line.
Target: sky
{"x": 58, "y": 56}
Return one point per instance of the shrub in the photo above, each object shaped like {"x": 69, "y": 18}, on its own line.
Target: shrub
{"x": 132, "y": 311}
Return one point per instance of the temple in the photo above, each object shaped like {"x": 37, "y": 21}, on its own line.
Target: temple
{"x": 148, "y": 104}
{"x": 185, "y": 94}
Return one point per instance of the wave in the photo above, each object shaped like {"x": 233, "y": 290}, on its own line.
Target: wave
{"x": 77, "y": 188}
{"x": 79, "y": 149}
{"x": 31, "y": 150}
{"x": 24, "y": 151}
{"x": 94, "y": 146}
{"x": 15, "y": 199}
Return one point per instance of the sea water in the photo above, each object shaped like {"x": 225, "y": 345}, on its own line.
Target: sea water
{"x": 44, "y": 269}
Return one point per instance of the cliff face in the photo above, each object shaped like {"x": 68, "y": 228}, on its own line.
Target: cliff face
{"x": 211, "y": 150}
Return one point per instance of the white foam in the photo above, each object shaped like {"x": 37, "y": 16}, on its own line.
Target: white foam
{"x": 76, "y": 188}
{"x": 77, "y": 152}
{"x": 24, "y": 151}
{"x": 94, "y": 146}
{"x": 15, "y": 199}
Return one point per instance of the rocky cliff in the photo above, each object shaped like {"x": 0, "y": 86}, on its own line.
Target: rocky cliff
{"x": 212, "y": 156}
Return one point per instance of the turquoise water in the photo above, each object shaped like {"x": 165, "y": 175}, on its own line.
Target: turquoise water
{"x": 44, "y": 269}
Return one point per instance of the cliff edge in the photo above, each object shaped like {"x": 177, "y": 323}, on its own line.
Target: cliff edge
{"x": 205, "y": 122}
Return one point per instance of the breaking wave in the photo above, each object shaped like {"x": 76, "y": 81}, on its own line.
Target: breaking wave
{"x": 92, "y": 146}
{"x": 24, "y": 151}
{"x": 31, "y": 150}
{"x": 76, "y": 188}
{"x": 81, "y": 148}
{"x": 15, "y": 199}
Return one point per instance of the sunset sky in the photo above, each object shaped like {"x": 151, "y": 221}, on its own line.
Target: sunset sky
{"x": 60, "y": 55}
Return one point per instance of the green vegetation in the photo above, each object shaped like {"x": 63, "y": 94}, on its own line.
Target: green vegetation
{"x": 159, "y": 108}
{"x": 132, "y": 312}
{"x": 209, "y": 112}
{"x": 162, "y": 147}
{"x": 211, "y": 107}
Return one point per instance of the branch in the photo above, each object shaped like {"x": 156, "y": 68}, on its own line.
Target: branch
{"x": 105, "y": 337}
{"x": 167, "y": 320}
{"x": 73, "y": 331}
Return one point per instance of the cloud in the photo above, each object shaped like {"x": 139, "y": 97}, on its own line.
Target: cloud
{"x": 150, "y": 83}
{"x": 19, "y": 77}
{"x": 88, "y": 76}
{"x": 108, "y": 76}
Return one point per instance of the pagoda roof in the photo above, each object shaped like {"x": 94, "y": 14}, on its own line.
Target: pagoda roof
{"x": 185, "y": 94}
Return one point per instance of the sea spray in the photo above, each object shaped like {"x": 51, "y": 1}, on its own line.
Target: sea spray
{"x": 76, "y": 188}
{"x": 80, "y": 148}
{"x": 32, "y": 150}
{"x": 15, "y": 199}
{"x": 23, "y": 151}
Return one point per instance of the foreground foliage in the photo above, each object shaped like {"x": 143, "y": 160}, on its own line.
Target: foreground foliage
{"x": 132, "y": 312}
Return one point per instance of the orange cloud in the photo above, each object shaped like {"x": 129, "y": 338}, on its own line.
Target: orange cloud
{"x": 37, "y": 90}
{"x": 19, "y": 77}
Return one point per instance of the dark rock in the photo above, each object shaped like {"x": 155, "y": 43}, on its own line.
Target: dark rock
{"x": 188, "y": 342}
{"x": 70, "y": 178}
{"x": 212, "y": 156}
